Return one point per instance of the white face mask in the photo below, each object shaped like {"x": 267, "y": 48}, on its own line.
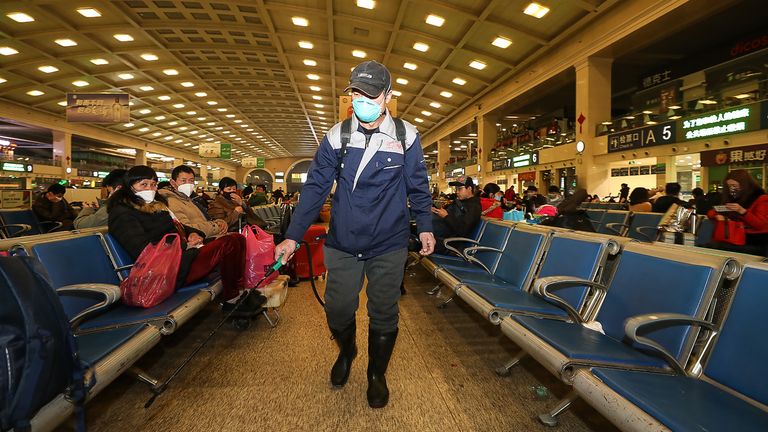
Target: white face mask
{"x": 186, "y": 189}
{"x": 147, "y": 195}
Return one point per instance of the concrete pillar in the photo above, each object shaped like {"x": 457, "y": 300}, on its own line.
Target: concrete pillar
{"x": 671, "y": 169}
{"x": 62, "y": 149}
{"x": 443, "y": 154}
{"x": 203, "y": 175}
{"x": 593, "y": 105}
{"x": 141, "y": 157}
{"x": 486, "y": 140}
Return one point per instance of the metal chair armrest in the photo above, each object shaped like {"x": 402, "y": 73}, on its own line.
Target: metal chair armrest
{"x": 54, "y": 225}
{"x": 650, "y": 237}
{"x": 611, "y": 226}
{"x": 469, "y": 255}
{"x": 454, "y": 249}
{"x": 108, "y": 294}
{"x": 543, "y": 287}
{"x": 22, "y": 228}
{"x": 638, "y": 323}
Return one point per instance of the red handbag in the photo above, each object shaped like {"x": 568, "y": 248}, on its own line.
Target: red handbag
{"x": 153, "y": 276}
{"x": 730, "y": 231}
{"x": 259, "y": 254}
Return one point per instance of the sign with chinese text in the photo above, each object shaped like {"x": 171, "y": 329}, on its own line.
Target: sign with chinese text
{"x": 734, "y": 120}
{"x": 226, "y": 151}
{"x": 252, "y": 162}
{"x": 209, "y": 150}
{"x": 15, "y": 199}
{"x": 655, "y": 79}
{"x": 98, "y": 108}
{"x": 527, "y": 176}
{"x": 647, "y": 136}
{"x": 523, "y": 160}
{"x": 752, "y": 155}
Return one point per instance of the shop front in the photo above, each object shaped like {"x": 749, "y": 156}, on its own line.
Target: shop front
{"x": 719, "y": 162}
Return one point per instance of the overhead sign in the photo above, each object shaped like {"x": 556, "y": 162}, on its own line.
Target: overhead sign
{"x": 98, "y": 108}
{"x": 648, "y": 136}
{"x": 523, "y": 160}
{"x": 734, "y": 120}
{"x": 226, "y": 151}
{"x": 751, "y": 154}
{"x": 209, "y": 150}
{"x": 17, "y": 167}
{"x": 252, "y": 162}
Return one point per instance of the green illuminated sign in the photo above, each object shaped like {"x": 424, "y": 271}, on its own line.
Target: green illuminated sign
{"x": 10, "y": 166}
{"x": 226, "y": 151}
{"x": 735, "y": 120}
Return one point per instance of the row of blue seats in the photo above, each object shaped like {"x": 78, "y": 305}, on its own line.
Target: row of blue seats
{"x": 603, "y": 206}
{"x": 15, "y": 223}
{"x": 86, "y": 268}
{"x": 630, "y": 325}
{"x": 643, "y": 226}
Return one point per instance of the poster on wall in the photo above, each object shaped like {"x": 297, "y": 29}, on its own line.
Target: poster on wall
{"x": 15, "y": 199}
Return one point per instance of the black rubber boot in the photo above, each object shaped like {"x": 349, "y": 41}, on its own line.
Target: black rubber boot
{"x": 345, "y": 339}
{"x": 380, "y": 346}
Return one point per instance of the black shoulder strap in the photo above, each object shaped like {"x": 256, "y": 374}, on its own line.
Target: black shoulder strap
{"x": 346, "y": 136}
{"x": 400, "y": 131}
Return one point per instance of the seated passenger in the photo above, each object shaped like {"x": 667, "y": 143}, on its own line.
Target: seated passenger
{"x": 95, "y": 214}
{"x": 554, "y": 197}
{"x": 639, "y": 200}
{"x": 184, "y": 208}
{"x": 51, "y": 206}
{"x": 259, "y": 196}
{"x": 138, "y": 217}
{"x": 228, "y": 205}
{"x": 489, "y": 203}
{"x": 744, "y": 201}
{"x": 671, "y": 193}
{"x": 458, "y": 218}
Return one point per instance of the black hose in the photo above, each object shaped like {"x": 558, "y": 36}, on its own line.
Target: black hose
{"x": 312, "y": 273}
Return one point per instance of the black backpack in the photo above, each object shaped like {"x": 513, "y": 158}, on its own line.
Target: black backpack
{"x": 38, "y": 356}
{"x": 346, "y": 136}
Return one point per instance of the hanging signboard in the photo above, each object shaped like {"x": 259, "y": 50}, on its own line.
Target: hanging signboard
{"x": 750, "y": 154}
{"x": 98, "y": 108}
{"x": 647, "y": 136}
{"x": 740, "y": 119}
{"x": 226, "y": 151}
{"x": 209, "y": 150}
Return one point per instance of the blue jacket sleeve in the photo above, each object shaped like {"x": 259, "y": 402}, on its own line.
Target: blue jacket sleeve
{"x": 417, "y": 186}
{"x": 320, "y": 178}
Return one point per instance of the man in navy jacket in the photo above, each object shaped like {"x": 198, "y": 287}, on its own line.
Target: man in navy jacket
{"x": 370, "y": 222}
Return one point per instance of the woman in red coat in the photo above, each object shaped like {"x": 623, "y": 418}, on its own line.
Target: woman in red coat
{"x": 744, "y": 200}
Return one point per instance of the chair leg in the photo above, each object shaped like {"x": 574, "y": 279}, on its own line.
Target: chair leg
{"x": 435, "y": 290}
{"x": 444, "y": 304}
{"x": 143, "y": 376}
{"x": 550, "y": 418}
{"x": 506, "y": 370}
{"x": 272, "y": 323}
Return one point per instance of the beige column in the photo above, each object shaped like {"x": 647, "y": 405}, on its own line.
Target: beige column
{"x": 177, "y": 162}
{"x": 203, "y": 174}
{"x": 486, "y": 140}
{"x": 62, "y": 149}
{"x": 443, "y": 154}
{"x": 141, "y": 157}
{"x": 593, "y": 105}
{"x": 671, "y": 169}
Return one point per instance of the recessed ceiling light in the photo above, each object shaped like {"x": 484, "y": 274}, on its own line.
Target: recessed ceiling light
{"x": 397, "y": 93}
{"x": 536, "y": 10}
{"x": 80, "y": 83}
{"x": 320, "y": 112}
{"x": 62, "y": 103}
{"x": 421, "y": 46}
{"x": 160, "y": 117}
{"x": 743, "y": 96}
{"x": 89, "y": 12}
{"x": 316, "y": 97}
{"x": 128, "y": 125}
{"x": 313, "y": 77}
{"x": 144, "y": 129}
{"x": 310, "y": 62}
{"x": 201, "y": 94}
{"x": 173, "y": 123}
{"x": 20, "y": 17}
{"x": 183, "y": 128}
{"x": 426, "y": 113}
{"x": 168, "y": 138}
{"x": 202, "y": 118}
{"x": 145, "y": 111}
{"x": 359, "y": 53}
{"x": 366, "y": 4}
{"x": 149, "y": 57}
{"x": 435, "y": 20}
{"x": 315, "y": 88}
{"x": 435, "y": 104}
{"x": 187, "y": 84}
{"x": 99, "y": 61}
{"x": 7, "y": 51}
{"x": 66, "y": 42}
{"x": 125, "y": 76}
{"x": 319, "y": 106}
{"x": 157, "y": 133}
{"x": 48, "y": 69}
{"x": 170, "y": 72}
{"x": 459, "y": 81}
{"x": 164, "y": 98}
{"x": 306, "y": 44}
{"x": 146, "y": 88}
{"x": 2, "y": 80}
{"x": 477, "y": 64}
{"x": 446, "y": 94}
{"x": 410, "y": 66}
{"x": 300, "y": 21}
{"x": 212, "y": 103}
{"x": 402, "y": 81}
{"x": 191, "y": 113}
{"x": 230, "y": 116}
{"x": 418, "y": 120}
{"x": 501, "y": 42}
{"x": 35, "y": 93}
{"x": 123, "y": 37}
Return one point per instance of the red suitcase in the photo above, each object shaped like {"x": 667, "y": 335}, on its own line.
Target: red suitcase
{"x": 315, "y": 237}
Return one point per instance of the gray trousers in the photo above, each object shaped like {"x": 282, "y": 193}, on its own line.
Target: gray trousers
{"x": 345, "y": 281}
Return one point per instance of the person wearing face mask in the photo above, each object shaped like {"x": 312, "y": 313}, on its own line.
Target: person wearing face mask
{"x": 743, "y": 200}
{"x": 139, "y": 216}
{"x": 95, "y": 214}
{"x": 379, "y": 170}
{"x": 52, "y": 207}
{"x": 229, "y": 206}
{"x": 491, "y": 206}
{"x": 187, "y": 211}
